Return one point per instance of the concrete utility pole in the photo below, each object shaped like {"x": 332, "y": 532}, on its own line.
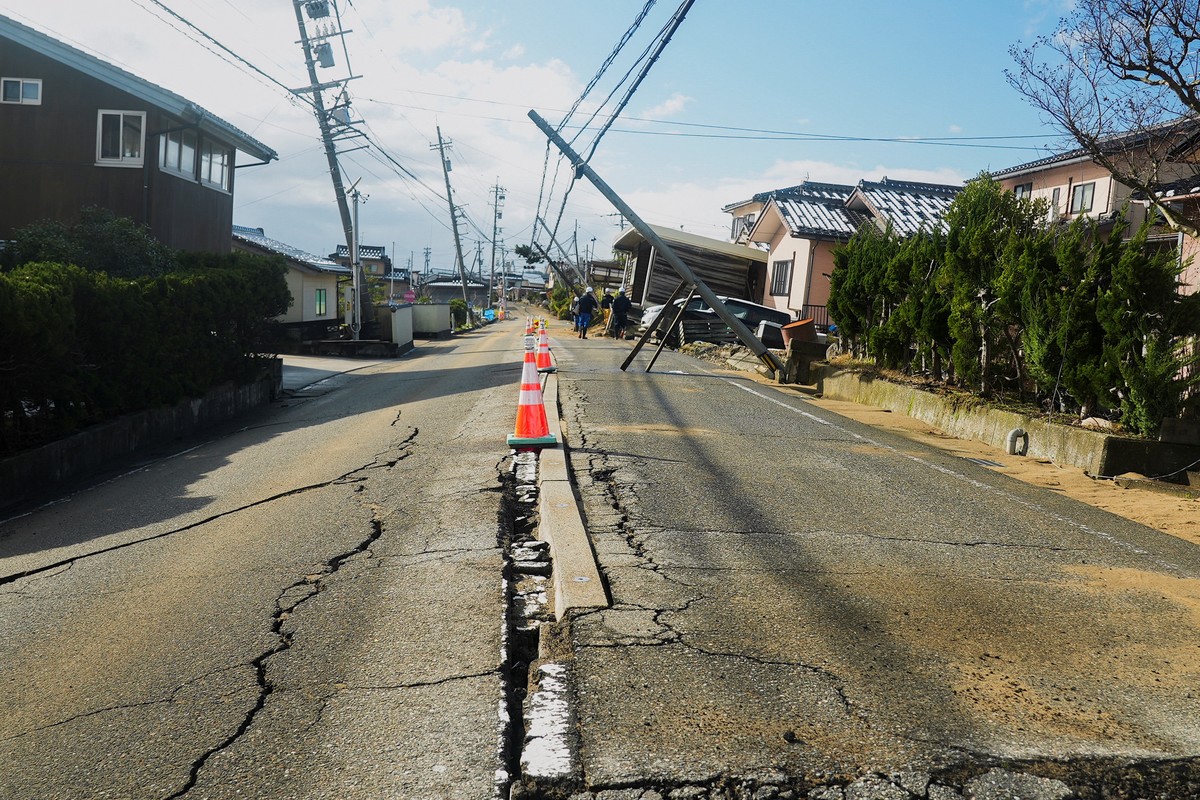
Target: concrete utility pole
{"x": 333, "y": 121}
{"x": 579, "y": 276}
{"x": 736, "y": 325}
{"x": 441, "y": 146}
{"x": 356, "y": 266}
{"x": 497, "y": 202}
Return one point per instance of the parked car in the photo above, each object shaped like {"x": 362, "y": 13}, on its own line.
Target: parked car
{"x": 763, "y": 321}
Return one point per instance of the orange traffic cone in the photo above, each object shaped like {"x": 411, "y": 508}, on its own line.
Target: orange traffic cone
{"x": 532, "y": 426}
{"x": 544, "y": 364}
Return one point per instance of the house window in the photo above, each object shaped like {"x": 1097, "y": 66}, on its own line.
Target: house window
{"x": 216, "y": 163}
{"x": 120, "y": 137}
{"x": 177, "y": 153}
{"x": 1055, "y": 197}
{"x": 1081, "y": 197}
{"x": 781, "y": 277}
{"x": 320, "y": 303}
{"x": 1023, "y": 190}
{"x": 26, "y": 91}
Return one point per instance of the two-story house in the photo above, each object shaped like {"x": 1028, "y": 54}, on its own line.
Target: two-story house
{"x": 78, "y": 131}
{"x": 1074, "y": 185}
{"x": 799, "y": 227}
{"x": 802, "y": 225}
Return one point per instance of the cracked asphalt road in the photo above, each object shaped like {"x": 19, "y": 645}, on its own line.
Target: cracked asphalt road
{"x": 800, "y": 601}
{"x": 309, "y": 607}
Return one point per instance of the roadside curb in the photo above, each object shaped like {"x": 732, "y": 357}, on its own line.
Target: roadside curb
{"x": 576, "y": 576}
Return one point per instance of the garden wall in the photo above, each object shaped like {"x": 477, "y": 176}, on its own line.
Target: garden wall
{"x": 38, "y": 473}
{"x": 1100, "y": 454}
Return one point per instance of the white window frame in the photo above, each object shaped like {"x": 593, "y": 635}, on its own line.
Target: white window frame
{"x": 23, "y": 98}
{"x": 1080, "y": 205}
{"x": 171, "y": 149}
{"x": 121, "y": 160}
{"x": 215, "y": 173}
{"x": 320, "y": 303}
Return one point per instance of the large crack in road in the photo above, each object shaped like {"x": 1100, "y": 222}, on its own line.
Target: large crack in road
{"x": 292, "y": 596}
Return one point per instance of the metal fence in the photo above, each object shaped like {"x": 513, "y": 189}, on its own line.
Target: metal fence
{"x": 818, "y": 314}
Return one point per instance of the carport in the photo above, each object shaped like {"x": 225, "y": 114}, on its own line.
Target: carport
{"x": 728, "y": 269}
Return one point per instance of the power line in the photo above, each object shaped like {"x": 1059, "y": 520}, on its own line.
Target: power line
{"x": 707, "y": 125}
{"x": 218, "y": 44}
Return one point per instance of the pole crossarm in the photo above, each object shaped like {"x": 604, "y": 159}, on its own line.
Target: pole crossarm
{"x": 685, "y": 272}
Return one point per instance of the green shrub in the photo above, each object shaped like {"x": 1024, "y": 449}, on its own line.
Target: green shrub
{"x": 79, "y": 346}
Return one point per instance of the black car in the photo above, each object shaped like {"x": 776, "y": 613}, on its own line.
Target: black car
{"x": 762, "y": 320}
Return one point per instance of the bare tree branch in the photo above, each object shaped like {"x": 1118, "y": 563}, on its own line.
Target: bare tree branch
{"x": 1121, "y": 78}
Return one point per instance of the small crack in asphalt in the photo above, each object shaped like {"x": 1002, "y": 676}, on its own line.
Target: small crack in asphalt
{"x": 341, "y": 480}
{"x": 122, "y": 706}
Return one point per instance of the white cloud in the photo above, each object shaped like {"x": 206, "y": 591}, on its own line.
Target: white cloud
{"x": 667, "y": 108}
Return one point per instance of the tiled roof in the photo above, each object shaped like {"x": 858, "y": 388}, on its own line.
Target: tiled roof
{"x": 1184, "y": 187}
{"x": 907, "y": 206}
{"x": 807, "y": 189}
{"x": 1187, "y": 127}
{"x": 258, "y": 238}
{"x": 148, "y": 92}
{"x": 364, "y": 251}
{"x": 812, "y": 218}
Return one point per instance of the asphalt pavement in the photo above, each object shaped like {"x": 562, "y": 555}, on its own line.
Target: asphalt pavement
{"x": 802, "y": 606}
{"x": 310, "y": 605}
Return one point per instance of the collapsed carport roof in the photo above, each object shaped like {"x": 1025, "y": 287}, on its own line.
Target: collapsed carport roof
{"x": 728, "y": 269}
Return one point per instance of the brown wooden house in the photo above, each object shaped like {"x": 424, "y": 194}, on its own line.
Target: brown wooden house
{"x": 78, "y": 131}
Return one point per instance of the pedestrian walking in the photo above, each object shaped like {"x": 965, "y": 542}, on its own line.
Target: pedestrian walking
{"x": 587, "y": 306}
{"x": 575, "y": 313}
{"x": 620, "y": 312}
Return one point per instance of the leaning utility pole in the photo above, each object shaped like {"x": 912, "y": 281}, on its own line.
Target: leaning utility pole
{"x": 736, "y": 325}
{"x": 333, "y": 121}
{"x": 462, "y": 270}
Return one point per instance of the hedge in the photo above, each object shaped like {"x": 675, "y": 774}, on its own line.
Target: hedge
{"x": 78, "y": 347}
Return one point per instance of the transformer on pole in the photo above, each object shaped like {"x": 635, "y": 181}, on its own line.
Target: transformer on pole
{"x": 331, "y": 106}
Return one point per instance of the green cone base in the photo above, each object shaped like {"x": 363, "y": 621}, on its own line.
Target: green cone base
{"x": 524, "y": 441}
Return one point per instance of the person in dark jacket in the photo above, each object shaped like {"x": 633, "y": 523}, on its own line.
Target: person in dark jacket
{"x": 620, "y": 312}
{"x": 587, "y": 306}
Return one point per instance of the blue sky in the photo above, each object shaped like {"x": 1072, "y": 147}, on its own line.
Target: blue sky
{"x": 861, "y": 70}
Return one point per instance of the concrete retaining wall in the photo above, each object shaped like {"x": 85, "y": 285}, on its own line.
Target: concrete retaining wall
{"x": 32, "y": 475}
{"x": 1099, "y": 453}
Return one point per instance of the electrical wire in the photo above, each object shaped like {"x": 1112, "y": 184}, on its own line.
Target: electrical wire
{"x": 637, "y": 22}
{"x": 222, "y": 47}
